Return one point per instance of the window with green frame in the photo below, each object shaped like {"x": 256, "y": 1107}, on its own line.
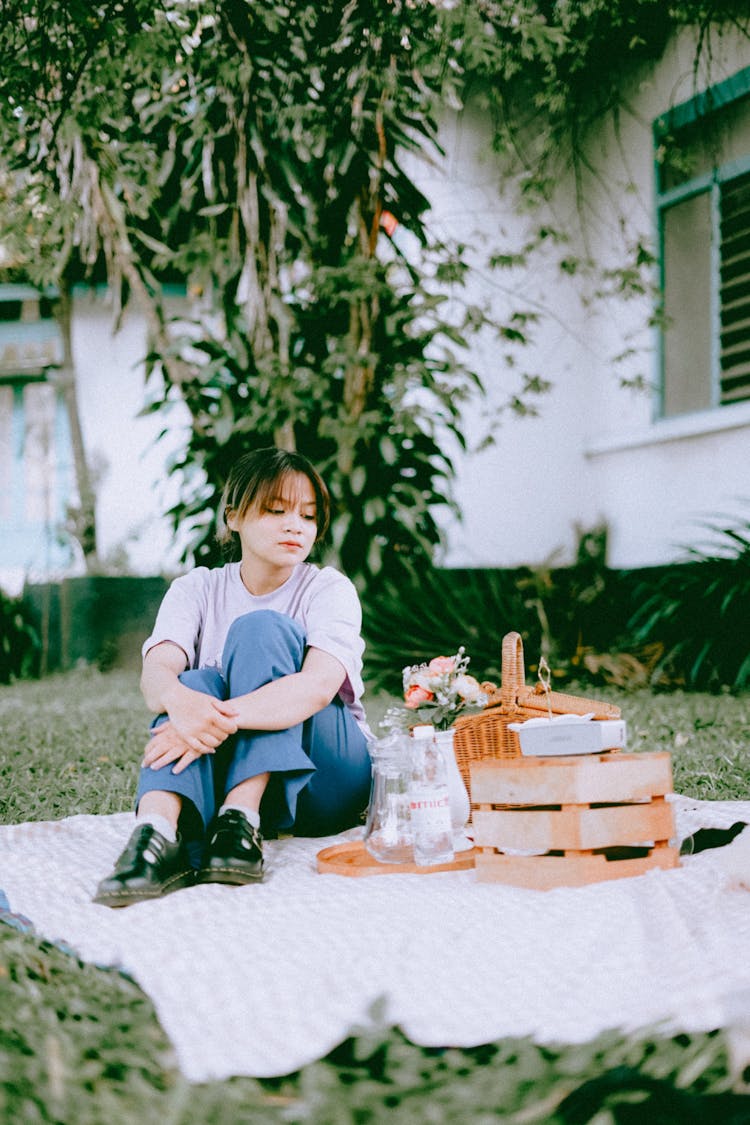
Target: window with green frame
{"x": 703, "y": 202}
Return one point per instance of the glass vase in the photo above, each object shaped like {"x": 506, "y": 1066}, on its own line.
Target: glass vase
{"x": 388, "y": 832}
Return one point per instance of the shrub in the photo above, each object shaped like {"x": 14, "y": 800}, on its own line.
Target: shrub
{"x": 698, "y": 611}
{"x": 427, "y": 612}
{"x": 19, "y": 642}
{"x": 670, "y": 626}
{"x": 561, "y": 613}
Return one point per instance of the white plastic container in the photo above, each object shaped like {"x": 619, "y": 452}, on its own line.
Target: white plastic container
{"x": 569, "y": 734}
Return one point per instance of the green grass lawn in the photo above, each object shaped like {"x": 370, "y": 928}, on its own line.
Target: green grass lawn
{"x": 82, "y": 1045}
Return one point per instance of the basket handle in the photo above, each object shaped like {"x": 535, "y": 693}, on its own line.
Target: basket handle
{"x": 513, "y": 674}
{"x": 536, "y": 699}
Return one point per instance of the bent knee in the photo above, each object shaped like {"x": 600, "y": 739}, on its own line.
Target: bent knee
{"x": 265, "y": 623}
{"x": 208, "y": 680}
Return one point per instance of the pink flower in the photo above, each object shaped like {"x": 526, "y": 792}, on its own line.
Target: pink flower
{"x": 441, "y": 665}
{"x": 415, "y": 696}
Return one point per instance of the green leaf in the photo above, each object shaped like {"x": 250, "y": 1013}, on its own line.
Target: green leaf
{"x": 358, "y": 479}
{"x": 153, "y": 244}
{"x": 388, "y": 450}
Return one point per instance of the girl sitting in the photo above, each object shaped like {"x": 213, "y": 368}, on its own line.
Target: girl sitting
{"x": 255, "y": 671}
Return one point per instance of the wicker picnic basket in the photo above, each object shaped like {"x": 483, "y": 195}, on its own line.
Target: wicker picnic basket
{"x": 486, "y": 735}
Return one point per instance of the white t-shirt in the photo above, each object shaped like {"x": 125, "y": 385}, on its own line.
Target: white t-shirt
{"x": 199, "y": 607}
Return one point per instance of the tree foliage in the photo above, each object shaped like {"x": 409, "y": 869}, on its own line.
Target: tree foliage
{"x": 253, "y": 150}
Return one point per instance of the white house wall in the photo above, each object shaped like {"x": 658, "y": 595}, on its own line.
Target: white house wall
{"x": 132, "y": 490}
{"x": 595, "y": 453}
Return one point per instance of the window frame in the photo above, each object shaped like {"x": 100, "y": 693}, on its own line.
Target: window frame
{"x": 704, "y": 105}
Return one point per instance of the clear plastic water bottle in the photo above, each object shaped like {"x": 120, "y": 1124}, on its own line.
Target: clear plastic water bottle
{"x": 430, "y": 801}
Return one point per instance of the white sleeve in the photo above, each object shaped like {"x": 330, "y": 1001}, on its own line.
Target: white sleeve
{"x": 333, "y": 623}
{"x": 181, "y": 615}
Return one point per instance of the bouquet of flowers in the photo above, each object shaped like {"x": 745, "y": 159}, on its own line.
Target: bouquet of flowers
{"x": 436, "y": 693}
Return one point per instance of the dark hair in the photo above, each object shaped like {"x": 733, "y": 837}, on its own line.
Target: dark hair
{"x": 257, "y": 477}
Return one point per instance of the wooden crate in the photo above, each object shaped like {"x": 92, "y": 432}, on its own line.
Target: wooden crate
{"x": 588, "y": 818}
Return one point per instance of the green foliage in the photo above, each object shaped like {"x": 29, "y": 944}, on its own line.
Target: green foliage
{"x": 76, "y": 1043}
{"x": 550, "y": 74}
{"x": 565, "y": 614}
{"x": 672, "y": 626}
{"x": 696, "y": 611}
{"x": 317, "y": 332}
{"x": 379, "y": 1077}
{"x": 19, "y": 642}
{"x": 250, "y": 150}
{"x": 428, "y": 612}
{"x": 560, "y": 67}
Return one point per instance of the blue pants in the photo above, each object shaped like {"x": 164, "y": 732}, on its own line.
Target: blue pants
{"x": 320, "y": 769}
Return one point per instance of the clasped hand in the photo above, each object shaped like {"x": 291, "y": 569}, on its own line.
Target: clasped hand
{"x": 196, "y": 726}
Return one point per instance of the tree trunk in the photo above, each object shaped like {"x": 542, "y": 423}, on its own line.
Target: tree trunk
{"x": 83, "y": 516}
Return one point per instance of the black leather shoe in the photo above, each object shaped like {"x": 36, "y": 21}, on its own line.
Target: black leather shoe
{"x": 234, "y": 853}
{"x": 150, "y": 866}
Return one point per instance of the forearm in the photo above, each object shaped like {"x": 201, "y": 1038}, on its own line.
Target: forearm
{"x": 160, "y": 686}
{"x": 282, "y": 703}
{"x": 201, "y": 720}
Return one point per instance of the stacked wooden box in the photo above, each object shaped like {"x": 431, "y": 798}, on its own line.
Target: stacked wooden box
{"x": 587, "y": 818}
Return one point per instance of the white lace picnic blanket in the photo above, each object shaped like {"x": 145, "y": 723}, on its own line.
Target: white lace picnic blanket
{"x": 261, "y": 980}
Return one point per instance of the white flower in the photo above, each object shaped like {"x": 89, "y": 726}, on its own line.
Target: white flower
{"x": 423, "y": 679}
{"x": 468, "y": 688}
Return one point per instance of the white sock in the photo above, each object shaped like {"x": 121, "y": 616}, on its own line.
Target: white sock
{"x": 251, "y": 814}
{"x": 160, "y": 823}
